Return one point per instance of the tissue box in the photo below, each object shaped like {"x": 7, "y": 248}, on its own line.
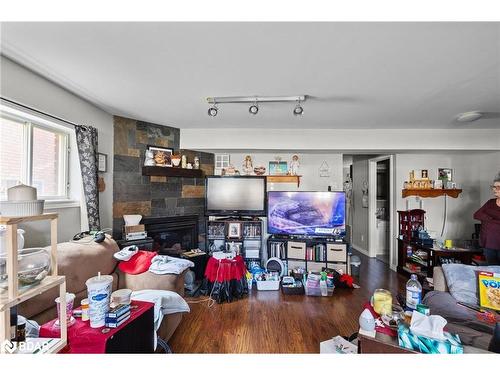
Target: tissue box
{"x": 408, "y": 340}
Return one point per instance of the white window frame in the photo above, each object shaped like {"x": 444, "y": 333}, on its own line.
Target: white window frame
{"x": 30, "y": 122}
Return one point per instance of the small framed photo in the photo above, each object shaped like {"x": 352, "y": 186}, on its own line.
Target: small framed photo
{"x": 102, "y": 162}
{"x": 278, "y": 168}
{"x": 162, "y": 156}
{"x": 424, "y": 174}
{"x": 445, "y": 174}
{"x": 234, "y": 230}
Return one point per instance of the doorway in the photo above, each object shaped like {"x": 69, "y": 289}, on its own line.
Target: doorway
{"x": 380, "y": 208}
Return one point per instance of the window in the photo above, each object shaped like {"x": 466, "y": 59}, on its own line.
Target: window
{"x": 221, "y": 162}
{"x": 33, "y": 151}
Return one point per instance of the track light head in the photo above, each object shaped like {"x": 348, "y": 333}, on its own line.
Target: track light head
{"x": 298, "y": 110}
{"x": 212, "y": 111}
{"x": 254, "y": 108}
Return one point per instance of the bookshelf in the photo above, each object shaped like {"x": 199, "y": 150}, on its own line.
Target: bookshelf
{"x": 312, "y": 254}
{"x": 248, "y": 239}
{"x": 13, "y": 296}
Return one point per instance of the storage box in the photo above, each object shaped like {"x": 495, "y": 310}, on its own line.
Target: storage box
{"x": 296, "y": 250}
{"x": 134, "y": 228}
{"x": 316, "y": 291}
{"x": 289, "y": 289}
{"x": 336, "y": 252}
{"x": 268, "y": 285}
{"x": 252, "y": 253}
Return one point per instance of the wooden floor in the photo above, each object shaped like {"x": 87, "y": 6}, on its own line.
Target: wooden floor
{"x": 270, "y": 322}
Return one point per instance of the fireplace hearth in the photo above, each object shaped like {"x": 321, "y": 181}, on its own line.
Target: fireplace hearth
{"x": 171, "y": 234}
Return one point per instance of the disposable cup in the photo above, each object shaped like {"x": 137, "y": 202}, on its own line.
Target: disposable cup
{"x": 99, "y": 293}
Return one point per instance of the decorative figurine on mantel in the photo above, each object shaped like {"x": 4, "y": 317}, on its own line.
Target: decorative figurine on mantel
{"x": 184, "y": 161}
{"x": 247, "y": 165}
{"x": 294, "y": 165}
{"x": 196, "y": 162}
{"x": 148, "y": 160}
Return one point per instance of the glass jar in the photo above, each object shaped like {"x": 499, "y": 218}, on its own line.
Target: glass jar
{"x": 382, "y": 302}
{"x": 33, "y": 266}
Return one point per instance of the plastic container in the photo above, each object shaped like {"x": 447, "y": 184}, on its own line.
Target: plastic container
{"x": 355, "y": 265}
{"x": 413, "y": 292}
{"x": 382, "y": 301}
{"x": 99, "y": 295}
{"x": 85, "y": 309}
{"x": 298, "y": 289}
{"x": 316, "y": 291}
{"x": 268, "y": 285}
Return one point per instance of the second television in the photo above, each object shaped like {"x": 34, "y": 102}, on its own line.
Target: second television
{"x": 306, "y": 213}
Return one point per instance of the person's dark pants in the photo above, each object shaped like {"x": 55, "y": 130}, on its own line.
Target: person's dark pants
{"x": 492, "y": 257}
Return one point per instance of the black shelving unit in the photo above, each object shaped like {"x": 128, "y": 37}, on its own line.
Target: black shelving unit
{"x": 249, "y": 242}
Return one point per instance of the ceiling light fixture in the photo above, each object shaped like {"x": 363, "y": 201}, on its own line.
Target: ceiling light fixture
{"x": 254, "y": 108}
{"x": 255, "y": 100}
{"x": 212, "y": 111}
{"x": 298, "y": 110}
{"x": 469, "y": 116}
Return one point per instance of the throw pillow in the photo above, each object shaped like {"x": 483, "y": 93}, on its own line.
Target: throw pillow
{"x": 462, "y": 281}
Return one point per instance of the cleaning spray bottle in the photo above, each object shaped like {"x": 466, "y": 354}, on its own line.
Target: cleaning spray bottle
{"x": 322, "y": 285}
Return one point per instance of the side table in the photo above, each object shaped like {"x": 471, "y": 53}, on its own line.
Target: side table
{"x": 136, "y": 335}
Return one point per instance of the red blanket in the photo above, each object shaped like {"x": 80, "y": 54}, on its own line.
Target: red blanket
{"x": 85, "y": 340}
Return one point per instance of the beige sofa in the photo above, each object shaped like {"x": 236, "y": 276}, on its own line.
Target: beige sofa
{"x": 81, "y": 261}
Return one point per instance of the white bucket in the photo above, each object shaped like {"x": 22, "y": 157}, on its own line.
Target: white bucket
{"x": 99, "y": 294}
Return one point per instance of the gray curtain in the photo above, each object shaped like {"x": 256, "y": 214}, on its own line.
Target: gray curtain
{"x": 86, "y": 140}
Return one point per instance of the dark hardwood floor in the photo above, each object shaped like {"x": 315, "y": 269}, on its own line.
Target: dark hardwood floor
{"x": 271, "y": 322}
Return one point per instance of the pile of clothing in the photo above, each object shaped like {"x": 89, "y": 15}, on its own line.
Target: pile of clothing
{"x": 134, "y": 261}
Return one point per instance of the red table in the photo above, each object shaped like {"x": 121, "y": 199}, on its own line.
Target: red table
{"x": 84, "y": 339}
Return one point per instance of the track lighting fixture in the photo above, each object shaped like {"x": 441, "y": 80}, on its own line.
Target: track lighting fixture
{"x": 298, "y": 110}
{"x": 255, "y": 100}
{"x": 254, "y": 108}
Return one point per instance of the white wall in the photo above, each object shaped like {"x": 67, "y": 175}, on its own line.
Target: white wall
{"x": 472, "y": 172}
{"x": 353, "y": 140}
{"x": 309, "y": 168}
{"x": 24, "y": 86}
{"x": 359, "y": 234}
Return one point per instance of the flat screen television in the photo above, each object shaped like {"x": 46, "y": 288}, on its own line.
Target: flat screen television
{"x": 306, "y": 213}
{"x": 235, "y": 195}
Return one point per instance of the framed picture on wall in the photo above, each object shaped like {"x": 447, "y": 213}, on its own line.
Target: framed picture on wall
{"x": 102, "y": 162}
{"x": 162, "y": 156}
{"x": 278, "y": 168}
{"x": 445, "y": 174}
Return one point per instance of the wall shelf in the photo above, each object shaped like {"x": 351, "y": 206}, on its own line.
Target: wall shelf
{"x": 284, "y": 179}
{"x": 431, "y": 193}
{"x": 171, "y": 172}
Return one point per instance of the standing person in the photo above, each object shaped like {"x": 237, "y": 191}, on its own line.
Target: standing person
{"x": 489, "y": 215}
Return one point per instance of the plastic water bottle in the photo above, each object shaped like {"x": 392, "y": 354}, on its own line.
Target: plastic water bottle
{"x": 409, "y": 251}
{"x": 413, "y": 292}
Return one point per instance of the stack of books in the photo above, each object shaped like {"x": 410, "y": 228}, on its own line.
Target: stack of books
{"x": 117, "y": 316}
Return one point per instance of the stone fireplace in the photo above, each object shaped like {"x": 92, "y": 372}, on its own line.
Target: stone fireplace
{"x": 154, "y": 197}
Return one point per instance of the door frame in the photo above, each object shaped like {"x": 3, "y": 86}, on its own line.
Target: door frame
{"x": 372, "y": 206}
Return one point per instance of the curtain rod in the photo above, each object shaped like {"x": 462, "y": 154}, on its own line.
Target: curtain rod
{"x": 38, "y": 111}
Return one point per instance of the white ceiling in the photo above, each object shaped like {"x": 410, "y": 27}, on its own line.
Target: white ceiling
{"x": 359, "y": 75}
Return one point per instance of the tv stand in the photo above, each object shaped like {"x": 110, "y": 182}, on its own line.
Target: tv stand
{"x": 248, "y": 240}
{"x": 310, "y": 253}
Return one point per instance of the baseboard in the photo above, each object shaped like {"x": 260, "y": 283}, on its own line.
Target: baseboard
{"x": 360, "y": 249}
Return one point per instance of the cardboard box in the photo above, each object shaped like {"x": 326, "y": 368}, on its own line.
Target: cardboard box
{"x": 134, "y": 228}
